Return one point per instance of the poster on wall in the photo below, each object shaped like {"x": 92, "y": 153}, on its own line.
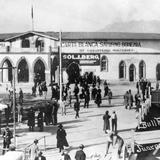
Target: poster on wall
{"x": 81, "y": 59}
{"x": 149, "y": 125}
{"x": 148, "y": 151}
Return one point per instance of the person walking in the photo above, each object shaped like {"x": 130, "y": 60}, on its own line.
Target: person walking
{"x": 130, "y": 99}
{"x": 40, "y": 156}
{"x": 98, "y": 99}
{"x": 94, "y": 92}
{"x": 55, "y": 105}
{"x": 76, "y": 91}
{"x": 109, "y": 141}
{"x": 34, "y": 150}
{"x": 61, "y": 138}
{"x": 86, "y": 98}
{"x": 137, "y": 100}
{"x": 40, "y": 119}
{"x": 118, "y": 141}
{"x": 80, "y": 154}
{"x": 106, "y": 88}
{"x": 31, "y": 119}
{"x": 114, "y": 121}
{"x": 44, "y": 89}
{"x": 106, "y": 126}
{"x": 7, "y": 136}
{"x": 109, "y": 96}
{"x": 66, "y": 155}
{"x": 77, "y": 108}
{"x": 20, "y": 96}
{"x": 126, "y": 100}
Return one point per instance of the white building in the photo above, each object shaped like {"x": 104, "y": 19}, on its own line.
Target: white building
{"x": 112, "y": 56}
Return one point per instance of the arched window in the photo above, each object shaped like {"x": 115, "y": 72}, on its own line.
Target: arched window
{"x": 23, "y": 71}
{"x": 104, "y": 63}
{"x": 25, "y": 43}
{"x": 142, "y": 69}
{"x": 132, "y": 72}
{"x": 39, "y": 70}
{"x": 122, "y": 70}
{"x": 40, "y": 45}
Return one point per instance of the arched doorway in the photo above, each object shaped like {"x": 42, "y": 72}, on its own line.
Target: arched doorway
{"x": 7, "y": 71}
{"x": 73, "y": 72}
{"x": 158, "y": 71}
{"x": 39, "y": 70}
{"x": 142, "y": 69}
{"x": 23, "y": 71}
{"x": 132, "y": 73}
{"x": 122, "y": 70}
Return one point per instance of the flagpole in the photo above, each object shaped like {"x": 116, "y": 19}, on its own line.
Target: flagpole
{"x": 32, "y": 18}
{"x": 60, "y": 66}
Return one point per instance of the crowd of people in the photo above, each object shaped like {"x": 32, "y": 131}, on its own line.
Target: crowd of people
{"x": 85, "y": 89}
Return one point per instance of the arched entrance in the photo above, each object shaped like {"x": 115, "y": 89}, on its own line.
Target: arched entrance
{"x": 39, "y": 70}
{"x": 7, "y": 71}
{"x": 132, "y": 73}
{"x": 23, "y": 71}
{"x": 122, "y": 70}
{"x": 73, "y": 72}
{"x": 158, "y": 71}
{"x": 142, "y": 69}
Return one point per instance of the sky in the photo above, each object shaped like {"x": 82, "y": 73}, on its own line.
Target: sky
{"x": 73, "y": 15}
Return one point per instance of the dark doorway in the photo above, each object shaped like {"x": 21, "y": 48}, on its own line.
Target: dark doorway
{"x": 23, "y": 71}
{"x": 39, "y": 69}
{"x": 132, "y": 73}
{"x": 142, "y": 69}
{"x": 158, "y": 71}
{"x": 73, "y": 72}
{"x": 122, "y": 70}
{"x": 7, "y": 71}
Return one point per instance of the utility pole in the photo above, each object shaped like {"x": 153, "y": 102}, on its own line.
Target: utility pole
{"x": 60, "y": 66}
{"x": 14, "y": 102}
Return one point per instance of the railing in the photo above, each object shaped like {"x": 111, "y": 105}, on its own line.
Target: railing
{"x": 27, "y": 149}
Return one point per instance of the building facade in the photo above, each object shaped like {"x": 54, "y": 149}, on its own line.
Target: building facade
{"x": 120, "y": 57}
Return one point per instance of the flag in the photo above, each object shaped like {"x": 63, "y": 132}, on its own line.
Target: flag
{"x": 32, "y": 12}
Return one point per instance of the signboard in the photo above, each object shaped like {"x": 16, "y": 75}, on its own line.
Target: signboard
{"x": 149, "y": 151}
{"x": 91, "y": 46}
{"x": 107, "y": 46}
{"x": 81, "y": 59}
{"x": 149, "y": 125}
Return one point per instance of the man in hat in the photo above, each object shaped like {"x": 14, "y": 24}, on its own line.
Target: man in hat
{"x": 66, "y": 155}
{"x": 61, "y": 138}
{"x": 34, "y": 150}
{"x": 40, "y": 156}
{"x": 80, "y": 155}
{"x": 7, "y": 136}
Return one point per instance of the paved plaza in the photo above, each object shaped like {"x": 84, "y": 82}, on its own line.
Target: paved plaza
{"x": 86, "y": 130}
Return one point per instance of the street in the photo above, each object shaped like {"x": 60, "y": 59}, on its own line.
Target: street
{"x": 86, "y": 130}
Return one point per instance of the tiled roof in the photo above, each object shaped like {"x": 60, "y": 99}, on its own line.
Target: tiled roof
{"x": 88, "y": 35}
